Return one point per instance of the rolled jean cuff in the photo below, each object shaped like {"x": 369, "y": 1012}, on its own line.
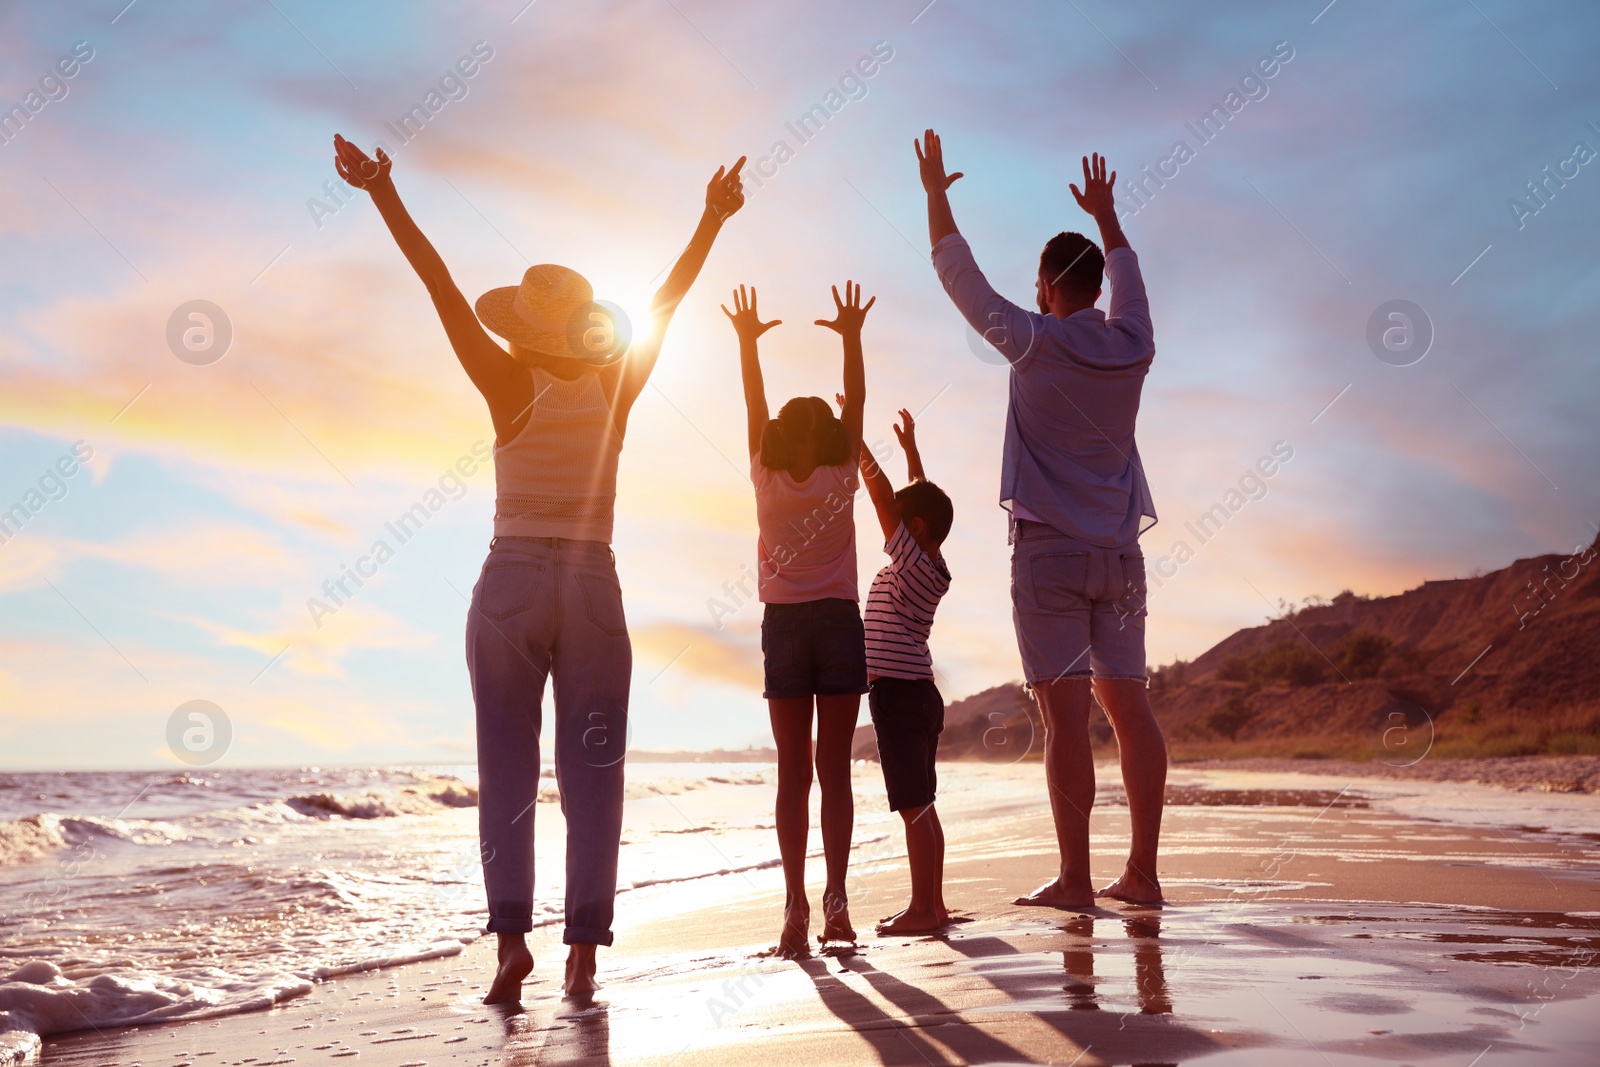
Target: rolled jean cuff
{"x": 511, "y": 920}
{"x": 586, "y": 935}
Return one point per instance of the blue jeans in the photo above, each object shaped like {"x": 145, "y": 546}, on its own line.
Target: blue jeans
{"x": 548, "y": 607}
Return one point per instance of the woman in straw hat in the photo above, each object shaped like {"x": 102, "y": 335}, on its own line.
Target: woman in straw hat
{"x": 548, "y": 603}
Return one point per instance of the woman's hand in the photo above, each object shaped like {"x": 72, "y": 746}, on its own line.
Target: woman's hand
{"x": 357, "y": 168}
{"x": 849, "y": 313}
{"x": 725, "y": 192}
{"x": 906, "y": 431}
{"x": 746, "y": 320}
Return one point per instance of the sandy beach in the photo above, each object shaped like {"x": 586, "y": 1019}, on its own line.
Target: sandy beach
{"x": 1306, "y": 924}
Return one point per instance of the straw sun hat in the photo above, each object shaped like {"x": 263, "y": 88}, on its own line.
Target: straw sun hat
{"x": 554, "y": 312}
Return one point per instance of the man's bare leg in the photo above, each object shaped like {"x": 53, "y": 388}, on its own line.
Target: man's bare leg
{"x": 791, "y": 731}
{"x": 925, "y": 851}
{"x": 1069, "y": 774}
{"x": 580, "y": 979}
{"x": 836, "y": 731}
{"x": 1143, "y": 752}
{"x": 515, "y": 964}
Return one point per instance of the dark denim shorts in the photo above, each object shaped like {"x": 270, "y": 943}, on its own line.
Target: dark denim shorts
{"x": 816, "y": 648}
{"x": 908, "y": 717}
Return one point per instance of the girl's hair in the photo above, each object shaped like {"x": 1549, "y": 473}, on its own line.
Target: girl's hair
{"x": 805, "y": 418}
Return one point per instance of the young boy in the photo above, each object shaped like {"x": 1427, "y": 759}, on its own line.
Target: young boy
{"x": 907, "y": 710}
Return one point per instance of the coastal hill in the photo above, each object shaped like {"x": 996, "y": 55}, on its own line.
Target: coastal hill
{"x": 1500, "y": 664}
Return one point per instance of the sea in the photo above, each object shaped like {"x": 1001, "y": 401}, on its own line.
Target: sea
{"x": 136, "y": 897}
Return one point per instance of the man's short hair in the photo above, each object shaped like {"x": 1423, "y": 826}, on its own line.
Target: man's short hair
{"x": 926, "y": 501}
{"x": 1072, "y": 262}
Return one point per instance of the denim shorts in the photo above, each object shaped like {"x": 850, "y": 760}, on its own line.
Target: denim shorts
{"x": 1078, "y": 609}
{"x": 908, "y": 717}
{"x": 815, "y": 648}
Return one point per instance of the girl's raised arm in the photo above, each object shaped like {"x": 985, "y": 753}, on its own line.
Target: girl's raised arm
{"x": 847, "y": 320}
{"x": 748, "y": 325}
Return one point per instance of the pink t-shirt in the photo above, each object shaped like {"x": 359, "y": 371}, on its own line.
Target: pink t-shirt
{"x": 807, "y": 549}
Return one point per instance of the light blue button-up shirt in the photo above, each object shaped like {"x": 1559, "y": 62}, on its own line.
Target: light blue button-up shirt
{"x": 1070, "y": 459}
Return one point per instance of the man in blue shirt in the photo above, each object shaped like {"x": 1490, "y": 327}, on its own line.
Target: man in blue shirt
{"x": 1075, "y": 488}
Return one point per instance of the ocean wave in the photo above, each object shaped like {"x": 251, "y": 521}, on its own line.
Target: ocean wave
{"x": 421, "y": 799}
{"x": 35, "y": 837}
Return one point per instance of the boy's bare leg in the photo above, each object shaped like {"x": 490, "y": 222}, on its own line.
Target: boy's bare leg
{"x": 1143, "y": 752}
{"x": 1069, "y": 774}
{"x": 925, "y": 850}
{"x": 836, "y": 731}
{"x": 515, "y": 963}
{"x": 791, "y": 731}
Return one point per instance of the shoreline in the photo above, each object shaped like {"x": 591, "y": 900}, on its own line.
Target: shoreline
{"x": 1549, "y": 774}
{"x": 1375, "y": 935}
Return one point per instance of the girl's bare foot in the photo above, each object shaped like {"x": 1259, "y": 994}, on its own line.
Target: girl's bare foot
{"x": 795, "y": 941}
{"x": 836, "y": 919}
{"x": 915, "y": 920}
{"x": 515, "y": 964}
{"x": 1055, "y": 895}
{"x": 580, "y": 972}
{"x": 1134, "y": 888}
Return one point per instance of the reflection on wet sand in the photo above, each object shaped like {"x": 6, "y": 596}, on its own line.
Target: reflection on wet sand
{"x": 565, "y": 1031}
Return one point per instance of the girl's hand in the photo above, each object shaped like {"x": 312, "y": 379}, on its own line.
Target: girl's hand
{"x": 357, "y": 168}
{"x": 746, "y": 321}
{"x": 725, "y": 191}
{"x": 849, "y": 313}
{"x": 906, "y": 431}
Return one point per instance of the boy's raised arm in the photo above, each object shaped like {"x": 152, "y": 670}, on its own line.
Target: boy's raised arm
{"x": 906, "y": 431}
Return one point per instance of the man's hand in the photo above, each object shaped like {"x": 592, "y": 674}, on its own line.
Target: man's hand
{"x": 1096, "y": 196}
{"x": 849, "y": 314}
{"x": 357, "y": 168}
{"x": 725, "y": 191}
{"x": 746, "y": 321}
{"x": 930, "y": 162}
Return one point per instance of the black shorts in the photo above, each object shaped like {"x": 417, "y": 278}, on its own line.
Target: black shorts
{"x": 815, "y": 648}
{"x": 908, "y": 716}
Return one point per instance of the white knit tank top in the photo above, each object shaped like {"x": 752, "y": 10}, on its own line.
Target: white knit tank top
{"x": 558, "y": 477}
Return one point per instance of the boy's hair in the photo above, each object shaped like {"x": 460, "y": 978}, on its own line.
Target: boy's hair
{"x": 801, "y": 419}
{"x": 926, "y": 501}
{"x": 1072, "y": 262}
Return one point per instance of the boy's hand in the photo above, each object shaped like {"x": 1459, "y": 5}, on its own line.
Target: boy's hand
{"x": 358, "y": 169}
{"x": 725, "y": 191}
{"x": 1096, "y": 197}
{"x": 906, "y": 431}
{"x": 849, "y": 313}
{"x": 746, "y": 322}
{"x": 930, "y": 162}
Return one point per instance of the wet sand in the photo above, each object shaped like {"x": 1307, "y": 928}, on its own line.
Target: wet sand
{"x": 1305, "y": 925}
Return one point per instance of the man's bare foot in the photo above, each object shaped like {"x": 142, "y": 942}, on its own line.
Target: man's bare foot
{"x": 836, "y": 919}
{"x": 1134, "y": 888}
{"x": 580, "y": 972}
{"x": 515, "y": 964}
{"x": 1054, "y": 895}
{"x": 915, "y": 921}
{"x": 795, "y": 941}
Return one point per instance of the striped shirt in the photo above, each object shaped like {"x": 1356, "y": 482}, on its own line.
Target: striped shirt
{"x": 900, "y": 609}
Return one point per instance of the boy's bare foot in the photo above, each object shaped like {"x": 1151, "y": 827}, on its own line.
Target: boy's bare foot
{"x": 580, "y": 972}
{"x": 836, "y": 919}
{"x": 516, "y": 963}
{"x": 795, "y": 941}
{"x": 915, "y": 921}
{"x": 1054, "y": 895}
{"x": 1134, "y": 888}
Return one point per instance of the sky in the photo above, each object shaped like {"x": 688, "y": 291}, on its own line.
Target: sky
{"x": 182, "y": 500}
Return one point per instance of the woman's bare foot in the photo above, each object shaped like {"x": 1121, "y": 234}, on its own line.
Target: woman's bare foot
{"x": 836, "y": 919}
{"x": 795, "y": 941}
{"x": 1134, "y": 888}
{"x": 1054, "y": 895}
{"x": 515, "y": 964}
{"x": 915, "y": 920}
{"x": 580, "y": 972}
